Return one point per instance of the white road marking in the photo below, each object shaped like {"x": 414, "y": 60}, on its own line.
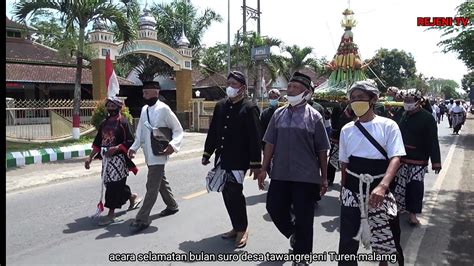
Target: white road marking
{"x": 418, "y": 233}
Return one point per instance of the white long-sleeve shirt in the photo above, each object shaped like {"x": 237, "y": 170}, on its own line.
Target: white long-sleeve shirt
{"x": 160, "y": 116}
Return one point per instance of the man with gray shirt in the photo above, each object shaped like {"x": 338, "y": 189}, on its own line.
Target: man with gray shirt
{"x": 297, "y": 141}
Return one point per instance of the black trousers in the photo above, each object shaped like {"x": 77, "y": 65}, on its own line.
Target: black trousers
{"x": 234, "y": 201}
{"x": 350, "y": 222}
{"x": 281, "y": 196}
{"x": 331, "y": 173}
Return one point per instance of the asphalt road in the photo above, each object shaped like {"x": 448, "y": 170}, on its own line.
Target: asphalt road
{"x": 49, "y": 224}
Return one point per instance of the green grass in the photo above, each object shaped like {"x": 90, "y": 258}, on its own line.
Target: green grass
{"x": 13, "y": 146}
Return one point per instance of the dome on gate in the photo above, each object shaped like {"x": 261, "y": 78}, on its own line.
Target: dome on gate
{"x": 146, "y": 19}
{"x": 99, "y": 25}
{"x": 183, "y": 41}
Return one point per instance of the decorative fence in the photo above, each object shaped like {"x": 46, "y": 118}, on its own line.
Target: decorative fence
{"x": 45, "y": 119}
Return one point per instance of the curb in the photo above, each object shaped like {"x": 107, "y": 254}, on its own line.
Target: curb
{"x": 15, "y": 159}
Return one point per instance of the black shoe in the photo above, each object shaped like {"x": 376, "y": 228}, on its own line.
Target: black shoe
{"x": 167, "y": 212}
{"x": 136, "y": 227}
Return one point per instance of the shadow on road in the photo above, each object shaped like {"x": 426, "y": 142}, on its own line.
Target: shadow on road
{"x": 256, "y": 199}
{"x": 86, "y": 224}
{"x": 211, "y": 245}
{"x": 123, "y": 230}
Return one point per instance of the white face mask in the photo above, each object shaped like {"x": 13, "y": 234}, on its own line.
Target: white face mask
{"x": 231, "y": 92}
{"x": 294, "y": 100}
{"x": 409, "y": 106}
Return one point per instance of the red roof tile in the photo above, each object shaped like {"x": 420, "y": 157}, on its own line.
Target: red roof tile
{"x": 49, "y": 74}
{"x": 9, "y": 24}
{"x": 21, "y": 50}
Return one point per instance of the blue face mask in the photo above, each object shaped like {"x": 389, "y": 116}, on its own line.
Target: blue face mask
{"x": 273, "y": 102}
{"x": 389, "y": 98}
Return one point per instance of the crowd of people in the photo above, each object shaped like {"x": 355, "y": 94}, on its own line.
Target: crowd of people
{"x": 383, "y": 156}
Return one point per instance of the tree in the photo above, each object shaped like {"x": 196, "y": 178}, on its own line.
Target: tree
{"x": 393, "y": 67}
{"x": 450, "y": 93}
{"x": 77, "y": 15}
{"x": 172, "y": 18}
{"x": 460, "y": 39}
{"x": 467, "y": 82}
{"x": 299, "y": 59}
{"x": 419, "y": 82}
{"x": 436, "y": 85}
{"x": 178, "y": 16}
{"x": 214, "y": 59}
{"x": 241, "y": 57}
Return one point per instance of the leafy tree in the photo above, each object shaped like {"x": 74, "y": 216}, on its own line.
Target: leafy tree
{"x": 214, "y": 59}
{"x": 299, "y": 59}
{"x": 436, "y": 85}
{"x": 460, "y": 39}
{"x": 241, "y": 57}
{"x": 420, "y": 82}
{"x": 393, "y": 67}
{"x": 178, "y": 16}
{"x": 450, "y": 93}
{"x": 77, "y": 15}
{"x": 172, "y": 18}
{"x": 467, "y": 82}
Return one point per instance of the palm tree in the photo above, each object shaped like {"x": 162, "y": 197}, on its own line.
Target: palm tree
{"x": 171, "y": 19}
{"x": 299, "y": 59}
{"x": 76, "y": 15}
{"x": 241, "y": 57}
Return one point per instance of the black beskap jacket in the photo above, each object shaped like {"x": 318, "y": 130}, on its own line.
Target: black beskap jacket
{"x": 235, "y": 135}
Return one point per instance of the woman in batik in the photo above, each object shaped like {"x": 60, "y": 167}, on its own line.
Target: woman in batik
{"x": 111, "y": 144}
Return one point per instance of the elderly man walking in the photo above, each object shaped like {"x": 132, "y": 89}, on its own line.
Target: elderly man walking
{"x": 297, "y": 142}
{"x": 155, "y": 114}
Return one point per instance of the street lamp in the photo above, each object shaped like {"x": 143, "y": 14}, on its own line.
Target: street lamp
{"x": 198, "y": 93}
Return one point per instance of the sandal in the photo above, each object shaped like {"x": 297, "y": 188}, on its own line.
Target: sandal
{"x": 135, "y": 205}
{"x": 241, "y": 239}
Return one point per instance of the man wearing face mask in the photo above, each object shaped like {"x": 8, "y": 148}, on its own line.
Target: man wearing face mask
{"x": 369, "y": 151}
{"x": 155, "y": 114}
{"x": 458, "y": 116}
{"x": 394, "y": 112}
{"x": 235, "y": 137}
{"x": 297, "y": 142}
{"x": 420, "y": 136}
{"x": 273, "y": 97}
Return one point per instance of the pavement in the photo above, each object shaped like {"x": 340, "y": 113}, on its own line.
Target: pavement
{"x": 21, "y": 177}
{"x": 50, "y": 224}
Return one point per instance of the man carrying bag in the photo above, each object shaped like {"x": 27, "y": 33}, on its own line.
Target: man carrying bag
{"x": 160, "y": 134}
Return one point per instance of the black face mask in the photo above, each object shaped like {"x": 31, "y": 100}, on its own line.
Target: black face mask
{"x": 151, "y": 101}
{"x": 113, "y": 112}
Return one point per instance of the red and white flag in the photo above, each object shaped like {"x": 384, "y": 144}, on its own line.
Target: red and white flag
{"x": 111, "y": 81}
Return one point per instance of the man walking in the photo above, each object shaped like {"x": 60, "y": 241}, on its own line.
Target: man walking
{"x": 369, "y": 151}
{"x": 420, "y": 137}
{"x": 155, "y": 114}
{"x": 297, "y": 142}
{"x": 235, "y": 137}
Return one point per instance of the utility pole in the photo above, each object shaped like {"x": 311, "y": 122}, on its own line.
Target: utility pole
{"x": 244, "y": 7}
{"x": 228, "y": 36}
{"x": 258, "y": 20}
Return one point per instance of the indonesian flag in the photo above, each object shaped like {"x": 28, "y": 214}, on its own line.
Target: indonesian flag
{"x": 111, "y": 81}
